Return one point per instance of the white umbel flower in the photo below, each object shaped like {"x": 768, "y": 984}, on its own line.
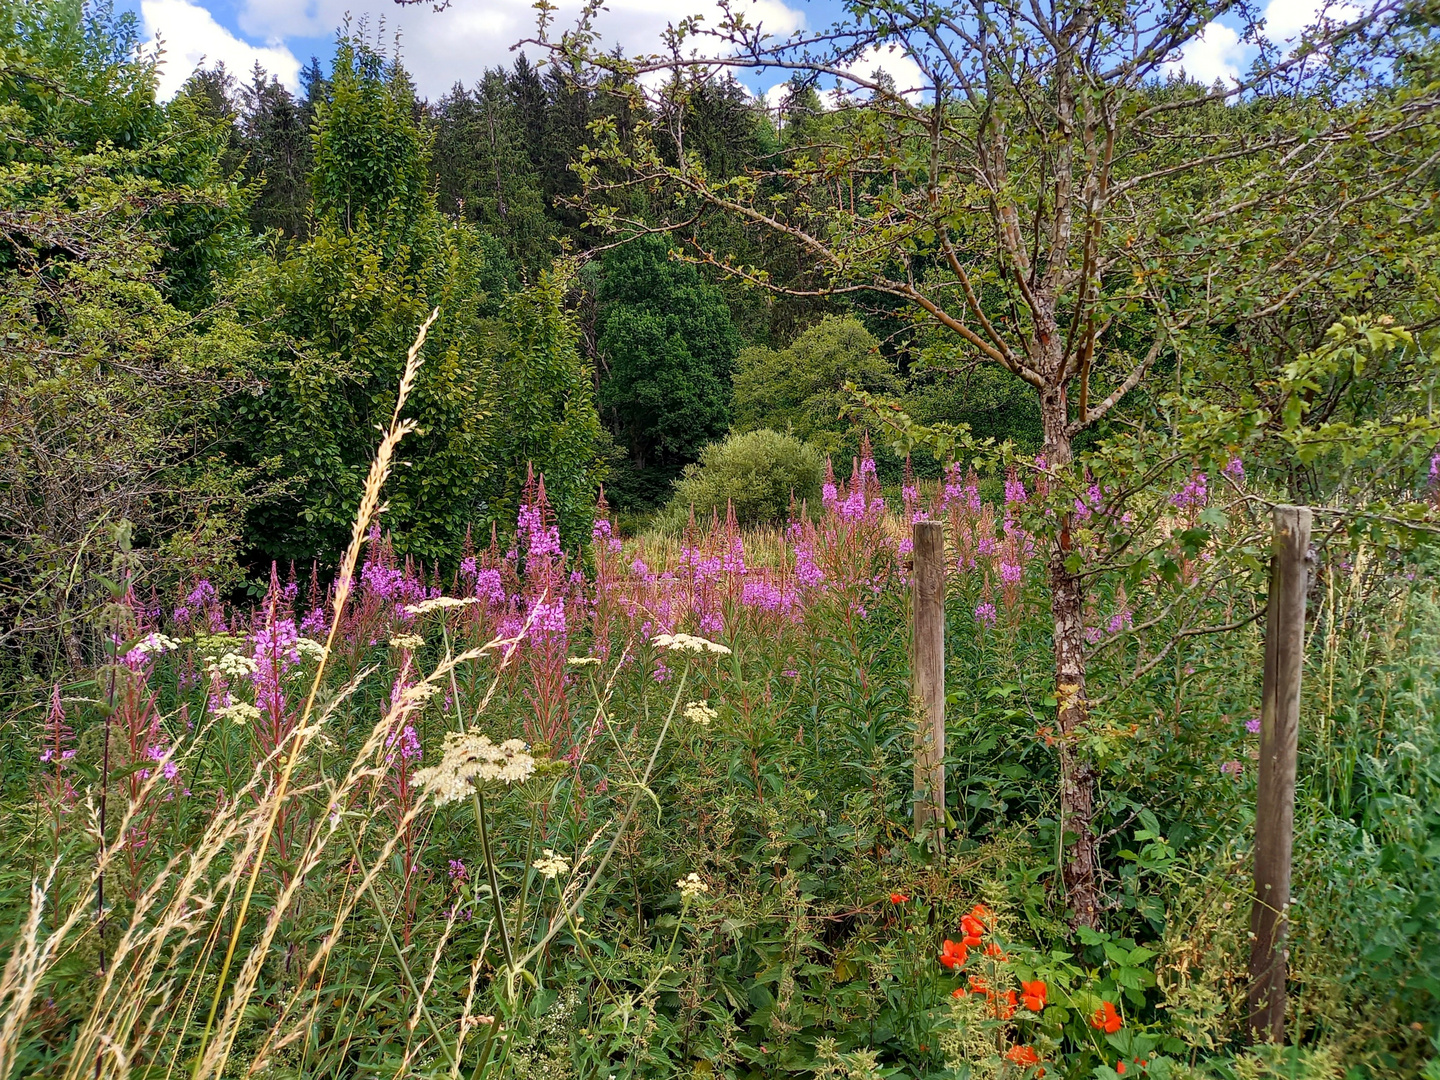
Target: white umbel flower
{"x": 691, "y": 887}
{"x": 407, "y": 641}
{"x": 469, "y": 761}
{"x": 309, "y": 648}
{"x": 689, "y": 643}
{"x": 700, "y": 712}
{"x": 231, "y": 666}
{"x": 238, "y": 712}
{"x": 439, "y": 603}
{"x": 552, "y": 865}
{"x": 152, "y": 645}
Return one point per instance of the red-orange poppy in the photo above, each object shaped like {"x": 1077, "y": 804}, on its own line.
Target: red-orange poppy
{"x": 1107, "y": 1019}
{"x": 953, "y": 954}
{"x": 998, "y": 953}
{"x": 1120, "y": 1067}
{"x": 899, "y": 898}
{"x": 958, "y": 992}
{"x": 1024, "y": 1056}
{"x": 1032, "y": 994}
{"x": 979, "y": 986}
{"x": 1005, "y": 1005}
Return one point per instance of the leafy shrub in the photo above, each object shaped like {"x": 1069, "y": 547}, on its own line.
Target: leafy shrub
{"x": 802, "y": 388}
{"x": 115, "y": 346}
{"x": 756, "y": 471}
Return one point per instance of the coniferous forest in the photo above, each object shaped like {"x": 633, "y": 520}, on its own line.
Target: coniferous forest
{"x": 473, "y": 569}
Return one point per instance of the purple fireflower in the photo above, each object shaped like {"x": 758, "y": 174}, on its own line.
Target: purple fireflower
{"x": 1014, "y": 490}
{"x": 1194, "y": 493}
{"x": 1253, "y": 725}
{"x": 547, "y": 619}
{"x": 202, "y": 594}
{"x": 807, "y": 573}
{"x": 314, "y": 624}
{"x": 985, "y": 613}
{"x": 489, "y": 586}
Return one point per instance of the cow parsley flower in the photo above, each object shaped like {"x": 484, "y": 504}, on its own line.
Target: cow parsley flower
{"x": 471, "y": 760}
{"x": 239, "y": 713}
{"x": 150, "y": 645}
{"x": 689, "y": 643}
{"x": 552, "y": 865}
{"x": 439, "y": 603}
{"x": 700, "y": 712}
{"x": 691, "y": 887}
{"x": 309, "y": 648}
{"x": 407, "y": 641}
{"x": 231, "y": 665}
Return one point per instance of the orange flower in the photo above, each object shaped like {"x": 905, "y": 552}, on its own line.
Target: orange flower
{"x": 979, "y": 986}
{"x": 998, "y": 953}
{"x": 953, "y": 954}
{"x": 1024, "y": 1056}
{"x": 981, "y": 912}
{"x": 958, "y": 992}
{"x": 1032, "y": 995}
{"x": 899, "y": 898}
{"x": 972, "y": 928}
{"x": 1120, "y": 1067}
{"x": 1106, "y": 1019}
{"x": 1005, "y": 1006}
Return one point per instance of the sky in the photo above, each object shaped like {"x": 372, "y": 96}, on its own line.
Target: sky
{"x": 440, "y": 48}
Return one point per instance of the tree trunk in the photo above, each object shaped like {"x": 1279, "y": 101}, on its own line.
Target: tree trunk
{"x": 1077, "y": 775}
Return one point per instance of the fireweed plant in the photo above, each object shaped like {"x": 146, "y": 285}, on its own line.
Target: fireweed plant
{"x": 643, "y": 810}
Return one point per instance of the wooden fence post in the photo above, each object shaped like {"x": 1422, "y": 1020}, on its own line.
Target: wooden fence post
{"x": 928, "y": 583}
{"x": 1279, "y": 741}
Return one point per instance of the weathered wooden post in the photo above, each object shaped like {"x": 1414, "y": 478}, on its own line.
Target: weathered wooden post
{"x": 928, "y": 583}
{"x": 1279, "y": 742}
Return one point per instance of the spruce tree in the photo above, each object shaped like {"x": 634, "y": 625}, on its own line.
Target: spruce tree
{"x": 276, "y": 132}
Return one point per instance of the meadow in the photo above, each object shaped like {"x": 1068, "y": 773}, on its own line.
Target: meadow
{"x": 649, "y": 813}
{"x": 538, "y": 697}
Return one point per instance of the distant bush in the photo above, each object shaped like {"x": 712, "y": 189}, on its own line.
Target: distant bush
{"x": 756, "y": 471}
{"x": 801, "y": 389}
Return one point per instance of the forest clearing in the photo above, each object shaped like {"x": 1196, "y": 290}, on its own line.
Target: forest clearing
{"x": 901, "y": 546}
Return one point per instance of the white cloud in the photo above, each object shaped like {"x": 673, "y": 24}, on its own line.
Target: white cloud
{"x": 457, "y": 44}
{"x": 1215, "y": 53}
{"x": 893, "y": 61}
{"x": 1286, "y": 20}
{"x": 1218, "y": 53}
{"x": 191, "y": 36}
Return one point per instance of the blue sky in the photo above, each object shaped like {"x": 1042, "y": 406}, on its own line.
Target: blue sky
{"x": 471, "y": 35}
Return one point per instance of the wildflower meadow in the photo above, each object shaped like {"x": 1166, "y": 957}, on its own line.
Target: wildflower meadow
{"x": 831, "y": 539}
{"x": 646, "y": 810}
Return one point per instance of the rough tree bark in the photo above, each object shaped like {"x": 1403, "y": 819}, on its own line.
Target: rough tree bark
{"x": 1067, "y": 607}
